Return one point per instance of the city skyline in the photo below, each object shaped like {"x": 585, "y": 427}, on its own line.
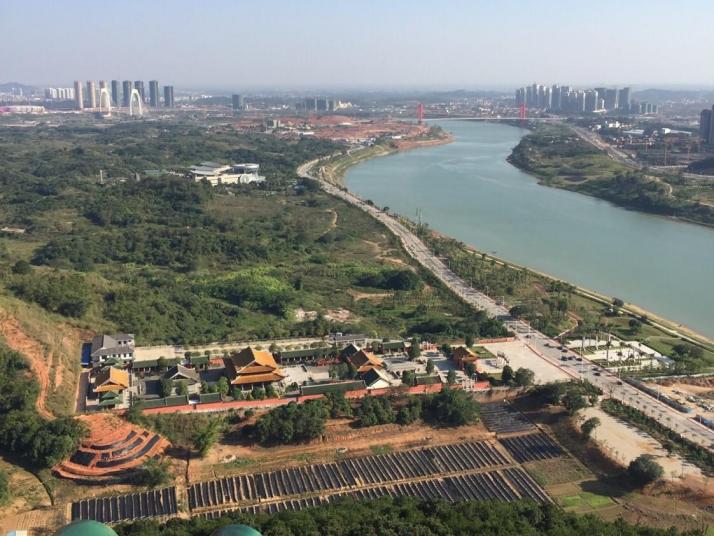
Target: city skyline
{"x": 316, "y": 44}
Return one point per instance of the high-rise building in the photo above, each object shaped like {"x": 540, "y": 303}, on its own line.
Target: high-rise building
{"x": 555, "y": 100}
{"x": 78, "y": 98}
{"x": 591, "y": 98}
{"x": 115, "y": 92}
{"x": 139, "y": 86}
{"x": 706, "y": 126}
{"x": 169, "y": 96}
{"x": 625, "y": 98}
{"x": 125, "y": 93}
{"x": 611, "y": 100}
{"x": 321, "y": 105}
{"x": 102, "y": 84}
{"x": 311, "y": 104}
{"x": 521, "y": 96}
{"x": 91, "y": 94}
{"x": 238, "y": 103}
{"x": 154, "y": 93}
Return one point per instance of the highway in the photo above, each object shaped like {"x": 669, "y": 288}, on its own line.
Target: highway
{"x": 548, "y": 349}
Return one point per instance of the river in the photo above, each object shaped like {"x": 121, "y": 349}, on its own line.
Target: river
{"x": 468, "y": 190}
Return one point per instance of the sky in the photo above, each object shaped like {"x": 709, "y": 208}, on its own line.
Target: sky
{"x": 380, "y": 44}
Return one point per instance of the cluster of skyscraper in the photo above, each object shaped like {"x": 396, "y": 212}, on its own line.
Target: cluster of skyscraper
{"x": 706, "y": 126}
{"x": 90, "y": 97}
{"x": 565, "y": 99}
{"x": 319, "y": 104}
{"x": 59, "y": 93}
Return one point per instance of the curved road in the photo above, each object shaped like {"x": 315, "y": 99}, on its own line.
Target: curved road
{"x": 548, "y": 349}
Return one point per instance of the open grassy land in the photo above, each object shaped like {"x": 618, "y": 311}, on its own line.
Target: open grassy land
{"x": 560, "y": 158}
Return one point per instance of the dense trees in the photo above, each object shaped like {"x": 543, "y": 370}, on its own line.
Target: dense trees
{"x": 574, "y": 402}
{"x": 408, "y": 516}
{"x": 589, "y": 426}
{"x": 451, "y": 407}
{"x": 66, "y": 294}
{"x": 374, "y": 410}
{"x": 40, "y": 442}
{"x": 204, "y": 438}
{"x": 4, "y": 487}
{"x": 524, "y": 377}
{"x": 644, "y": 469}
{"x": 292, "y": 423}
{"x": 391, "y": 279}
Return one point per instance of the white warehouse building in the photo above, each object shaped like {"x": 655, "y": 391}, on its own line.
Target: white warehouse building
{"x": 226, "y": 173}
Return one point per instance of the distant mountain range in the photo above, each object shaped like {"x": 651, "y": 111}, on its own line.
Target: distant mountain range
{"x": 8, "y": 86}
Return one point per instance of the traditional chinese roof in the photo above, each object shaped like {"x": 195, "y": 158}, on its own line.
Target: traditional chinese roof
{"x": 462, "y": 353}
{"x": 111, "y": 379}
{"x": 363, "y": 361}
{"x": 252, "y": 366}
{"x": 245, "y": 379}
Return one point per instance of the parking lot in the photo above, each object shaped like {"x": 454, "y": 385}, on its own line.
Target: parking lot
{"x": 519, "y": 355}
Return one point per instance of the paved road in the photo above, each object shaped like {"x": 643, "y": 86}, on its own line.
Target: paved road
{"x": 546, "y": 348}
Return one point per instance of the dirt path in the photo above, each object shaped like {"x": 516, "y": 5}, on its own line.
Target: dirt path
{"x": 35, "y": 354}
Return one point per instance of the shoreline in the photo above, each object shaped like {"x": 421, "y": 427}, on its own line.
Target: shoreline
{"x": 543, "y": 181}
{"x": 334, "y": 170}
{"x": 670, "y": 327}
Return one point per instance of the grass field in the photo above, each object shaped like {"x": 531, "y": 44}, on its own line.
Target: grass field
{"x": 584, "y": 502}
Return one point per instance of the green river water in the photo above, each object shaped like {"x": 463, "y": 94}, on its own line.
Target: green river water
{"x": 468, "y": 190}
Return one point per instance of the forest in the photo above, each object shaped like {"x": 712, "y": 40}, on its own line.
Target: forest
{"x": 409, "y": 517}
{"x": 38, "y": 442}
{"x": 147, "y": 251}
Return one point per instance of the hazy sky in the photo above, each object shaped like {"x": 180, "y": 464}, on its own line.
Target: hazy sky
{"x": 236, "y": 44}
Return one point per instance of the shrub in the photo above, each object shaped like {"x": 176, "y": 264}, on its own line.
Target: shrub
{"x": 644, "y": 469}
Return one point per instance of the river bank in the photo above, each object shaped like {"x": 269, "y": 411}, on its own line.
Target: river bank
{"x": 334, "y": 170}
{"x": 562, "y": 158}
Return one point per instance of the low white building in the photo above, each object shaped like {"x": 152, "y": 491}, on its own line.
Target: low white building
{"x": 217, "y": 174}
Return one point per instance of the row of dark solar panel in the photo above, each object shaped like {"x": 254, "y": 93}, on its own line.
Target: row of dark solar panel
{"x": 133, "y": 456}
{"x": 532, "y": 447}
{"x": 114, "y": 445}
{"x": 283, "y": 482}
{"x": 345, "y": 474}
{"x": 502, "y": 418}
{"x": 507, "y": 485}
{"x": 155, "y": 503}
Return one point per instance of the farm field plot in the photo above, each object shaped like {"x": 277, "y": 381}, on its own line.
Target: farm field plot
{"x": 501, "y": 485}
{"x": 557, "y": 471}
{"x": 502, "y": 418}
{"x": 531, "y": 447}
{"x": 129, "y": 507}
{"x": 346, "y": 474}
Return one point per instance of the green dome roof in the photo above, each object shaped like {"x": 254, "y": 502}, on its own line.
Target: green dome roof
{"x": 86, "y": 528}
{"x": 236, "y": 530}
